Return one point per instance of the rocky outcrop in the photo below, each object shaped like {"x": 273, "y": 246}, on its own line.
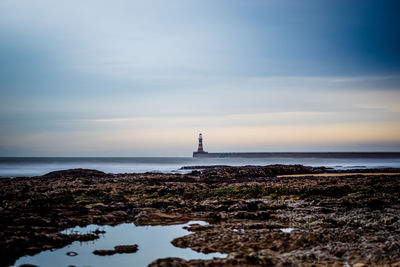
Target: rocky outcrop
{"x": 337, "y": 220}
{"x": 73, "y": 173}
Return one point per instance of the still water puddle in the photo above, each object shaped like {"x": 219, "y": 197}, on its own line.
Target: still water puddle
{"x": 154, "y": 243}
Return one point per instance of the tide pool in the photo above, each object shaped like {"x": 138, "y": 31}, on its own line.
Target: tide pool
{"x": 154, "y": 243}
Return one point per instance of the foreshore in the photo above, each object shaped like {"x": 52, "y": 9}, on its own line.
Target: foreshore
{"x": 340, "y": 218}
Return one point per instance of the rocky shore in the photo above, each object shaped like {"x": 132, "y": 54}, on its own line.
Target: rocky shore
{"x": 347, "y": 220}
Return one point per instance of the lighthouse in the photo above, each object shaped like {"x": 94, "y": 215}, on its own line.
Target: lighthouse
{"x": 200, "y": 148}
{"x": 200, "y": 151}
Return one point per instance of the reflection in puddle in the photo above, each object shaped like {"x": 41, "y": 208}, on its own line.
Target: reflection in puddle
{"x": 154, "y": 243}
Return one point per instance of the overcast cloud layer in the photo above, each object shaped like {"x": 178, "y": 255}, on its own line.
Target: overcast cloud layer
{"x": 143, "y": 78}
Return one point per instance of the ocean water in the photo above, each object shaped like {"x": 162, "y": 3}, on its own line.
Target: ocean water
{"x": 15, "y": 167}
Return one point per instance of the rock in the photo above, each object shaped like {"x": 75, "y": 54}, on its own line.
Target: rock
{"x": 71, "y": 253}
{"x": 104, "y": 252}
{"x": 117, "y": 250}
{"x": 126, "y": 248}
{"x": 168, "y": 262}
{"x": 75, "y": 173}
{"x": 160, "y": 218}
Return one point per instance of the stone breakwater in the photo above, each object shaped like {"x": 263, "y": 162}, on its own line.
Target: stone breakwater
{"x": 347, "y": 220}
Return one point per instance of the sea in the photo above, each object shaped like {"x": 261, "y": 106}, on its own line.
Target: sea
{"x": 35, "y": 166}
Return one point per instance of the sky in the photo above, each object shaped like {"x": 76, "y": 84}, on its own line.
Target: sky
{"x": 144, "y": 78}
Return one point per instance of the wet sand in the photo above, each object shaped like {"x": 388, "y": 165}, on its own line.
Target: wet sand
{"x": 338, "y": 220}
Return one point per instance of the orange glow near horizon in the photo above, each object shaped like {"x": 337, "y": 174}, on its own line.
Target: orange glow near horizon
{"x": 181, "y": 141}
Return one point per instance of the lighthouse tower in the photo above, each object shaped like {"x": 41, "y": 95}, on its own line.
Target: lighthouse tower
{"x": 200, "y": 148}
{"x": 200, "y": 151}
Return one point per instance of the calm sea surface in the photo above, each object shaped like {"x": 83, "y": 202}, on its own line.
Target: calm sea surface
{"x": 13, "y": 167}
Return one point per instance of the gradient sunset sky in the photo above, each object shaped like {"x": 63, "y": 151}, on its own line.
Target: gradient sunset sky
{"x": 144, "y": 78}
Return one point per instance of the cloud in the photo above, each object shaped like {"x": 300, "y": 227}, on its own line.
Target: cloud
{"x": 101, "y": 72}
